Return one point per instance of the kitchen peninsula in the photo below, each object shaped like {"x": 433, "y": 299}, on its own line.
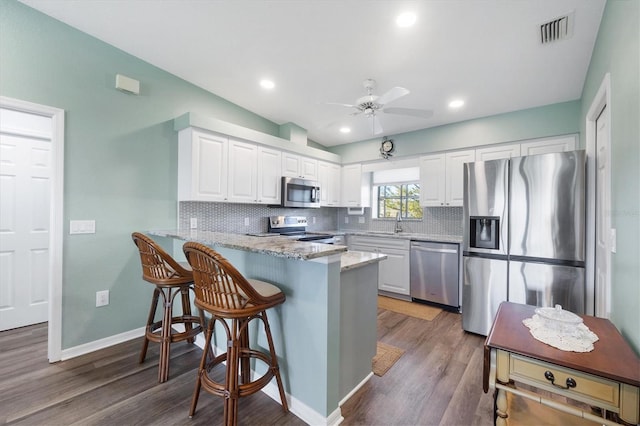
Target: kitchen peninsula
{"x": 325, "y": 332}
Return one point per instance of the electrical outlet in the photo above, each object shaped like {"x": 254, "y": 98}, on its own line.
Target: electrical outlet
{"x": 246, "y": 221}
{"x": 313, "y": 220}
{"x": 346, "y": 219}
{"x": 361, "y": 219}
{"x": 102, "y": 298}
{"x": 194, "y": 223}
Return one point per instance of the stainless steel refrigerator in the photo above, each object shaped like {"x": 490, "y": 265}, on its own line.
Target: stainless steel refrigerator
{"x": 524, "y": 235}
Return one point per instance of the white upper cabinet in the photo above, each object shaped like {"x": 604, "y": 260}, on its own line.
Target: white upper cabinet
{"x": 297, "y": 166}
{"x": 202, "y": 166}
{"x": 243, "y": 172}
{"x": 432, "y": 177}
{"x": 329, "y": 178}
{"x": 269, "y": 175}
{"x": 356, "y": 187}
{"x": 441, "y": 178}
{"x": 498, "y": 152}
{"x": 546, "y": 146}
{"x": 254, "y": 173}
{"x": 454, "y": 188}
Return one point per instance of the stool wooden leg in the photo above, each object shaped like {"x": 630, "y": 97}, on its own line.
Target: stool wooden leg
{"x": 165, "y": 342}
{"x": 233, "y": 357}
{"x": 245, "y": 366}
{"x": 186, "y": 310}
{"x": 202, "y": 369}
{"x": 275, "y": 367}
{"x": 152, "y": 314}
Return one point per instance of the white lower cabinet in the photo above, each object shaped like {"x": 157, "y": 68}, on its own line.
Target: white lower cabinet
{"x": 393, "y": 272}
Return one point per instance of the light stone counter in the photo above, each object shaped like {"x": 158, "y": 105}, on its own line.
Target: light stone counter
{"x": 407, "y": 236}
{"x": 273, "y": 245}
{"x": 357, "y": 259}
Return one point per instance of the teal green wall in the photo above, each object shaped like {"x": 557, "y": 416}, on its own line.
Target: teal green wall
{"x": 120, "y": 157}
{"x": 551, "y": 120}
{"x": 617, "y": 51}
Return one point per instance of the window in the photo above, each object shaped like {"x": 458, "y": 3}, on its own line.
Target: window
{"x": 403, "y": 198}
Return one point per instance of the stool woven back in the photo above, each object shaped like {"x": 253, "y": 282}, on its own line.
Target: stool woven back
{"x": 158, "y": 267}
{"x": 220, "y": 287}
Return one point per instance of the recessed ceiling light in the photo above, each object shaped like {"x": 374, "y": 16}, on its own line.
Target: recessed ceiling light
{"x": 267, "y": 84}
{"x": 406, "y": 19}
{"x": 345, "y": 130}
{"x": 456, "y": 103}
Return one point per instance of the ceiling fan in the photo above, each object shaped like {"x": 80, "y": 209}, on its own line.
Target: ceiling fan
{"x": 370, "y": 104}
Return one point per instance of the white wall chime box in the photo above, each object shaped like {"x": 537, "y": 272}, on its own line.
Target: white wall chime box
{"x": 127, "y": 84}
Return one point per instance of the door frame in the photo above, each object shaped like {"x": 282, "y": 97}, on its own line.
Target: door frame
{"x": 56, "y": 220}
{"x": 601, "y": 100}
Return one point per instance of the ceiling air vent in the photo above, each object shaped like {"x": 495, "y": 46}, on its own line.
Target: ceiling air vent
{"x": 558, "y": 29}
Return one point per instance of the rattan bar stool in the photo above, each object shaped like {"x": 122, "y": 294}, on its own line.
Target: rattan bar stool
{"x": 233, "y": 302}
{"x": 170, "y": 279}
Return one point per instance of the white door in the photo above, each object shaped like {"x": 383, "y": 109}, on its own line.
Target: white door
{"x": 25, "y": 197}
{"x": 603, "y": 218}
{"x": 243, "y": 172}
{"x": 269, "y": 175}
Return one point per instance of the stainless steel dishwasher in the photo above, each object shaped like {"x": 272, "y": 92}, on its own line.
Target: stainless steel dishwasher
{"x": 434, "y": 272}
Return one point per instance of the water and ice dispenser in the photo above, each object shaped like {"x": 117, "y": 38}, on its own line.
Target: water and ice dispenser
{"x": 484, "y": 232}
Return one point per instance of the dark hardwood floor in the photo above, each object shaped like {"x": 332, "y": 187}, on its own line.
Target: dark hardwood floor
{"x": 436, "y": 382}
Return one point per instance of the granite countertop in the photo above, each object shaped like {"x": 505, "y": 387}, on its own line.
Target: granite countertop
{"x": 272, "y": 245}
{"x": 356, "y": 259}
{"x": 407, "y": 236}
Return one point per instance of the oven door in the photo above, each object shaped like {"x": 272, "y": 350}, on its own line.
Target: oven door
{"x": 300, "y": 193}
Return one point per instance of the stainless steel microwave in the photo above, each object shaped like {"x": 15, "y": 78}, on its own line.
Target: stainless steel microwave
{"x": 300, "y": 193}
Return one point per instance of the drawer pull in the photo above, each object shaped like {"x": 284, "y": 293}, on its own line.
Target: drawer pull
{"x": 570, "y": 383}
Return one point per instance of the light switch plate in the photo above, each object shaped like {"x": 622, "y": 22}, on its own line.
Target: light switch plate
{"x": 82, "y": 227}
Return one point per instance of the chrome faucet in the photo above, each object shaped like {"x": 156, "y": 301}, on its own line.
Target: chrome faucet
{"x": 398, "y": 220}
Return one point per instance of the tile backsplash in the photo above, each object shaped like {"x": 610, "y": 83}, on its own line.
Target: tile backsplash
{"x": 435, "y": 221}
{"x": 231, "y": 217}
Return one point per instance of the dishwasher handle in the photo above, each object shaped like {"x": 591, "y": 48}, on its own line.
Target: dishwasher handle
{"x": 433, "y": 250}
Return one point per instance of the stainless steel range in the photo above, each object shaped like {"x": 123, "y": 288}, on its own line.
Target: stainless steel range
{"x": 295, "y": 227}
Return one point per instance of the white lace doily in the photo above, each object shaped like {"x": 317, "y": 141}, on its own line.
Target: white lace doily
{"x": 581, "y": 339}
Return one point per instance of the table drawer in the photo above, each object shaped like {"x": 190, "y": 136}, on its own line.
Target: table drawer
{"x": 588, "y": 388}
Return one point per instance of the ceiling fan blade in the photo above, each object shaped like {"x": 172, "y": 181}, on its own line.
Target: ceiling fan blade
{"x": 392, "y": 95}
{"x": 422, "y": 113}
{"x": 377, "y": 127}
{"x": 337, "y": 103}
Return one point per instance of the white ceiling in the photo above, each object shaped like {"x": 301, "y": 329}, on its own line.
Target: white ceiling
{"x": 487, "y": 52}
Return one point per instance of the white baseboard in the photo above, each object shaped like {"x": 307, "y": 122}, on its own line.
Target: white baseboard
{"x": 354, "y": 390}
{"x": 101, "y": 344}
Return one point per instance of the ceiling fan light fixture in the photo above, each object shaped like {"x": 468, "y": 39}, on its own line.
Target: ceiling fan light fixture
{"x": 406, "y": 19}
{"x": 456, "y": 103}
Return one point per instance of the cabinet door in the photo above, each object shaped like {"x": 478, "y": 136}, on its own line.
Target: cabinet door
{"x": 323, "y": 181}
{"x": 355, "y": 192}
{"x": 432, "y": 180}
{"x": 454, "y": 192}
{"x": 393, "y": 272}
{"x": 497, "y": 152}
{"x": 297, "y": 166}
{"x": 546, "y": 146}
{"x": 243, "y": 172}
{"x": 269, "y": 175}
{"x": 290, "y": 165}
{"x": 335, "y": 179}
{"x": 309, "y": 168}
{"x": 209, "y": 167}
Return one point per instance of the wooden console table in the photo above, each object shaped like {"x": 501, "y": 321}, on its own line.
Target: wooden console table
{"x": 607, "y": 377}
